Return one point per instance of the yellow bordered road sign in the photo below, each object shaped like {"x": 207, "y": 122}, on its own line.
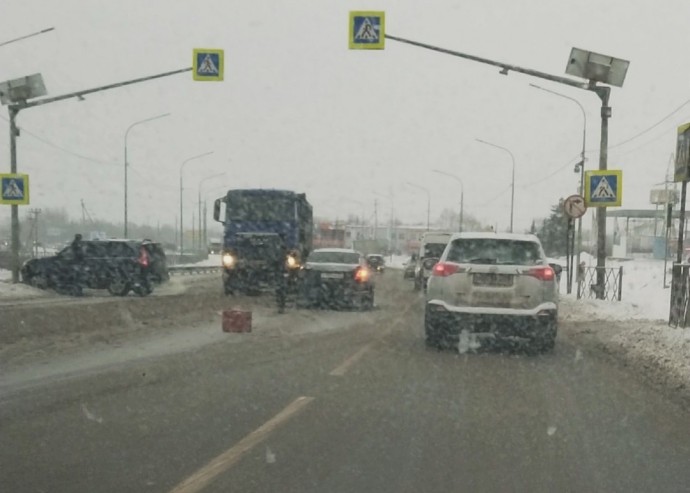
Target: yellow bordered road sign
{"x": 367, "y": 30}
{"x": 603, "y": 188}
{"x": 14, "y": 189}
{"x": 208, "y": 64}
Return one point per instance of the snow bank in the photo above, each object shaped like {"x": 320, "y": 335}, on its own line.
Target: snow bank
{"x": 9, "y": 291}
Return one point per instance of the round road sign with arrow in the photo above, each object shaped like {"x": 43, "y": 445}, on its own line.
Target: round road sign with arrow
{"x": 574, "y": 206}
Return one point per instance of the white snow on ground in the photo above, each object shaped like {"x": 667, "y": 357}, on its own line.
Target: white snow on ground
{"x": 643, "y": 295}
{"x": 14, "y": 291}
{"x": 211, "y": 261}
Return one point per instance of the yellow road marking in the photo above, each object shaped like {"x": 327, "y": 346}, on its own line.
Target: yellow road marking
{"x": 351, "y": 360}
{"x": 200, "y": 479}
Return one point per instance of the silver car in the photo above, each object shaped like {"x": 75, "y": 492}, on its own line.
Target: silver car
{"x": 489, "y": 288}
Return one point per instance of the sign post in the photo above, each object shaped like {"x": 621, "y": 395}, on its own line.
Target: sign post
{"x": 574, "y": 207}
{"x": 682, "y": 174}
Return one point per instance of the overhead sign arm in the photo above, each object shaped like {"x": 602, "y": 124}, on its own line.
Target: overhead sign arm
{"x": 505, "y": 67}
{"x": 77, "y": 94}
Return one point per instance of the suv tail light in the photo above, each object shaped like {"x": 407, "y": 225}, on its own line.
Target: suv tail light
{"x": 443, "y": 269}
{"x": 361, "y": 274}
{"x": 544, "y": 273}
{"x": 143, "y": 257}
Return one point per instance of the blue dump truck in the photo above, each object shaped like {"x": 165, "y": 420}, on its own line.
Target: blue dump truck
{"x": 267, "y": 234}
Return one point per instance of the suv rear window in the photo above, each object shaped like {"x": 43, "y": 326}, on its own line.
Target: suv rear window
{"x": 120, "y": 249}
{"x": 434, "y": 250}
{"x": 494, "y": 251}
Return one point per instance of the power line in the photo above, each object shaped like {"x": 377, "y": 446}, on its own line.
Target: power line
{"x": 650, "y": 128}
{"x": 63, "y": 149}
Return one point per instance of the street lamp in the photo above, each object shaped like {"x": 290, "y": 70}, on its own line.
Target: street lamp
{"x": 126, "y": 162}
{"x": 462, "y": 194}
{"x": 578, "y": 167}
{"x": 428, "y": 201}
{"x": 181, "y": 189}
{"x": 512, "y": 186}
{"x": 391, "y": 233}
{"x": 203, "y": 238}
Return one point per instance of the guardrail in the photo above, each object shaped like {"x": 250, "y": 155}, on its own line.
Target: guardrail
{"x": 181, "y": 270}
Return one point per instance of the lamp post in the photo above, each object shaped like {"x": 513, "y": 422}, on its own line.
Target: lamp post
{"x": 428, "y": 201}
{"x": 578, "y": 167}
{"x": 390, "y": 223}
{"x": 512, "y": 186}
{"x": 202, "y": 238}
{"x": 126, "y": 161}
{"x": 181, "y": 201}
{"x": 462, "y": 195}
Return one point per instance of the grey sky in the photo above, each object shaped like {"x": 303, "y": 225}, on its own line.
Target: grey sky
{"x": 298, "y": 110}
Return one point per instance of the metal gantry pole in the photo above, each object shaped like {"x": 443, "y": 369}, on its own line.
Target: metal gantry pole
{"x": 14, "y": 109}
{"x": 14, "y": 244}
{"x": 603, "y": 92}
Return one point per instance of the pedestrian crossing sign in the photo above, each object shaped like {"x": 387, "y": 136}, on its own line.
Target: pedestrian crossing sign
{"x": 367, "y": 30}
{"x": 604, "y": 188}
{"x": 14, "y": 189}
{"x": 208, "y": 64}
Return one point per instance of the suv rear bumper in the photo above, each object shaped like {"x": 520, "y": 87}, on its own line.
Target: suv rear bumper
{"x": 446, "y": 322}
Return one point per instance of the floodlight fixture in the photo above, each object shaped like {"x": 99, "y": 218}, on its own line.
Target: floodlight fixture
{"x": 22, "y": 89}
{"x": 597, "y": 67}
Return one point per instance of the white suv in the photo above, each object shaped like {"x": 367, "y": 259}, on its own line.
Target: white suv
{"x": 491, "y": 287}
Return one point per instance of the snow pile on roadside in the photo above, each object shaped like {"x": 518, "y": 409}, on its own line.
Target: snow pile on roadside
{"x": 636, "y": 329}
{"x": 213, "y": 260}
{"x": 14, "y": 291}
{"x": 643, "y": 295}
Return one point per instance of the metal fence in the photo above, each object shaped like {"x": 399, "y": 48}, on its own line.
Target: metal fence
{"x": 613, "y": 283}
{"x": 679, "y": 315}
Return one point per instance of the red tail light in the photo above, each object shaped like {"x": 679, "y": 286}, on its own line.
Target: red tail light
{"x": 143, "y": 258}
{"x": 362, "y": 274}
{"x": 443, "y": 269}
{"x": 544, "y": 273}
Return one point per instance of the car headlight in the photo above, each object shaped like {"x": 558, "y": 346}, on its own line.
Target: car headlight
{"x": 229, "y": 260}
{"x": 292, "y": 262}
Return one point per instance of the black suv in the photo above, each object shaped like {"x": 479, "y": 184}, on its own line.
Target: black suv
{"x": 116, "y": 265}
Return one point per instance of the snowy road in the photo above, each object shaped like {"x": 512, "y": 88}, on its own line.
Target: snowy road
{"x": 338, "y": 402}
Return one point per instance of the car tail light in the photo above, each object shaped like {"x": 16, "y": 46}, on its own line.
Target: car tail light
{"x": 362, "y": 274}
{"x": 443, "y": 269}
{"x": 143, "y": 257}
{"x": 544, "y": 273}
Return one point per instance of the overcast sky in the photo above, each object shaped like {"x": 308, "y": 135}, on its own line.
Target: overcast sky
{"x": 298, "y": 110}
